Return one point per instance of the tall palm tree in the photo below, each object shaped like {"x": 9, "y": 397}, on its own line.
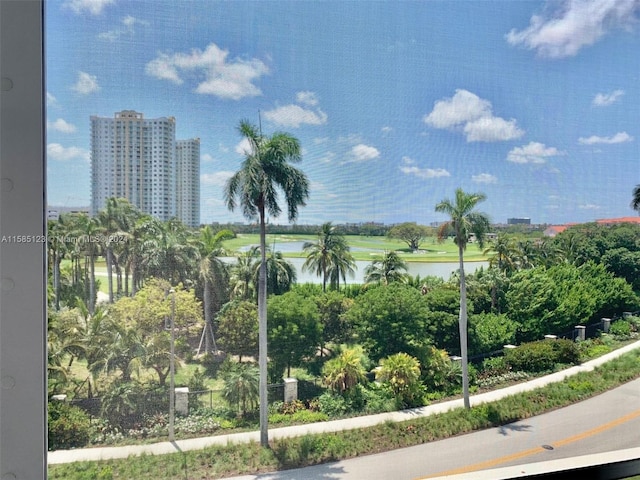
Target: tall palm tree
{"x": 265, "y": 171}
{"x": 329, "y": 256}
{"x": 91, "y": 231}
{"x": 389, "y": 268}
{"x": 635, "y": 202}
{"x": 464, "y": 221}
{"x": 214, "y": 276}
{"x": 116, "y": 219}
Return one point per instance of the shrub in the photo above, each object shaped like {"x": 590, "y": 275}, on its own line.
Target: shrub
{"x": 620, "y": 329}
{"x": 401, "y": 372}
{"x": 333, "y": 404}
{"x": 69, "y": 426}
{"x": 542, "y": 355}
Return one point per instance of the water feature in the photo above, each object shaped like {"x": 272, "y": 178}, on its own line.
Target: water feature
{"x": 437, "y": 269}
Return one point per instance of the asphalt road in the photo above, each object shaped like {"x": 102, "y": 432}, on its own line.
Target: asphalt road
{"x": 610, "y": 421}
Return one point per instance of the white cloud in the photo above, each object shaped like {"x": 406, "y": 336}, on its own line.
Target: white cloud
{"x": 534, "y": 152}
{"x": 566, "y": 27}
{"x": 86, "y": 84}
{"x": 589, "y": 206}
{"x": 294, "y": 115}
{"x": 425, "y": 172}
{"x": 619, "y": 137}
{"x": 363, "y": 153}
{"x": 243, "y": 147}
{"x": 218, "y": 179}
{"x": 492, "y": 129}
{"x": 51, "y": 100}
{"x": 606, "y": 99}
{"x": 484, "y": 178}
{"x": 55, "y": 151}
{"x": 207, "y": 158}
{"x": 463, "y": 107}
{"x": 219, "y": 76}
{"x": 93, "y": 7}
{"x": 386, "y": 130}
{"x": 128, "y": 28}
{"x": 60, "y": 125}
{"x": 307, "y": 98}
{"x": 475, "y": 116}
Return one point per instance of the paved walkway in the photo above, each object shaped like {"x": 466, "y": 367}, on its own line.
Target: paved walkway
{"x": 104, "y": 453}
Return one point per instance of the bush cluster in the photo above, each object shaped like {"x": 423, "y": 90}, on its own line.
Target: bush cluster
{"x": 542, "y": 355}
{"x": 69, "y": 426}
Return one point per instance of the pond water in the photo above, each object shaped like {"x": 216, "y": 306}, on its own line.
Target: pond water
{"x": 437, "y": 269}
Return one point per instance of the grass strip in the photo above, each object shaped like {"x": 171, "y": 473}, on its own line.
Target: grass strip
{"x": 223, "y": 461}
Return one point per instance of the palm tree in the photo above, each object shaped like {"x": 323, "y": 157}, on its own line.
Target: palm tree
{"x": 635, "y": 202}
{"x": 116, "y": 219}
{"x": 504, "y": 251}
{"x": 463, "y": 222}
{"x": 389, "y": 268}
{"x": 281, "y": 274}
{"x": 214, "y": 276}
{"x": 241, "y": 386}
{"x": 329, "y": 257}
{"x": 255, "y": 186}
{"x": 242, "y": 283}
{"x": 91, "y": 231}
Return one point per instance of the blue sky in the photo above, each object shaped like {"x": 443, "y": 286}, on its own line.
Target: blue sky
{"x": 396, "y": 104}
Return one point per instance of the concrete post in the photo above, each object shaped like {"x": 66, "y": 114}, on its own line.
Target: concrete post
{"x": 182, "y": 400}
{"x": 290, "y": 389}
{"x": 580, "y": 332}
{"x": 606, "y": 324}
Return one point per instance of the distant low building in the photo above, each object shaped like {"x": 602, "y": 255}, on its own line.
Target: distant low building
{"x": 518, "y": 221}
{"x": 617, "y": 221}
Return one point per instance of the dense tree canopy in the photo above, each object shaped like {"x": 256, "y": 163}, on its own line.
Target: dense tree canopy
{"x": 390, "y": 319}
{"x": 411, "y": 233}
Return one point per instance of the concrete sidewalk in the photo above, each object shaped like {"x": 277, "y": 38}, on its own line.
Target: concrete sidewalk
{"x": 105, "y": 453}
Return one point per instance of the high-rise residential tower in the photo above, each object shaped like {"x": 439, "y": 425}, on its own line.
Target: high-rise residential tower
{"x": 187, "y": 194}
{"x": 139, "y": 159}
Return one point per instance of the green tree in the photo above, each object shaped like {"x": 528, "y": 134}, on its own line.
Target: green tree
{"x": 214, "y": 275}
{"x": 281, "y": 274}
{"x": 329, "y": 256}
{"x": 238, "y": 328}
{"x": 344, "y": 372}
{"x": 242, "y": 282}
{"x": 503, "y": 254}
{"x": 464, "y": 221}
{"x": 390, "y": 319}
{"x": 241, "y": 386}
{"x": 294, "y": 331}
{"x": 116, "y": 221}
{"x": 332, "y": 308}
{"x": 386, "y": 269}
{"x": 491, "y": 332}
{"x": 265, "y": 170}
{"x": 411, "y": 233}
